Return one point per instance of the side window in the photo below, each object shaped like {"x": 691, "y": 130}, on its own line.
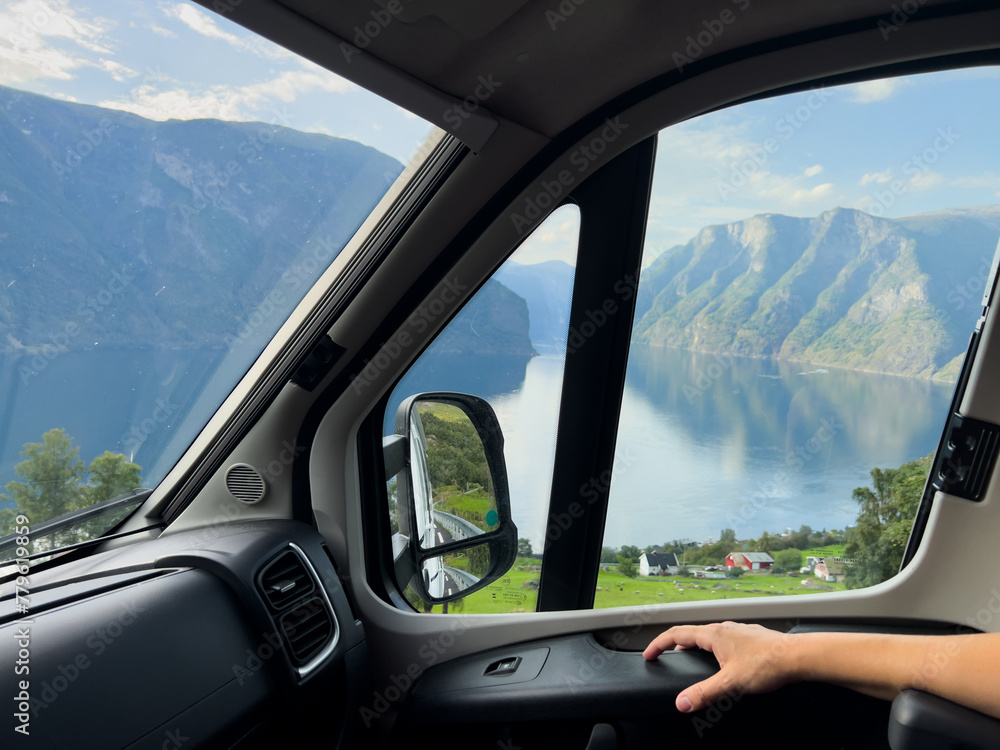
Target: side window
{"x": 508, "y": 346}
{"x": 813, "y": 268}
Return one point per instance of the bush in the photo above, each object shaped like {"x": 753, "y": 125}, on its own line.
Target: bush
{"x": 734, "y": 572}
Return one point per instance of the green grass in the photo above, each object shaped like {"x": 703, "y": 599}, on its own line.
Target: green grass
{"x": 510, "y": 594}
{"x": 619, "y": 591}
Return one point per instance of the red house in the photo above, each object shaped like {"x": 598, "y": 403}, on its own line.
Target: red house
{"x": 749, "y": 560}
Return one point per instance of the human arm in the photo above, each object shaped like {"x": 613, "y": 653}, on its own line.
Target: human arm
{"x": 962, "y": 668}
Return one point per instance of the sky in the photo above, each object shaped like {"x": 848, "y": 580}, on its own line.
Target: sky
{"x": 892, "y": 147}
{"x": 168, "y": 59}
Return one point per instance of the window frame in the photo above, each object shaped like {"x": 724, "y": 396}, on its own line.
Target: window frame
{"x": 613, "y": 205}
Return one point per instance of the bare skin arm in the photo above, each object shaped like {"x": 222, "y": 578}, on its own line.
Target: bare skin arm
{"x": 753, "y": 659}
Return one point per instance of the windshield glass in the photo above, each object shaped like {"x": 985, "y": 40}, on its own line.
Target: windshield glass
{"x": 171, "y": 186}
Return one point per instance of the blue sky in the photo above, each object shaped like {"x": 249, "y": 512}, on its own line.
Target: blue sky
{"x": 892, "y": 148}
{"x": 172, "y": 59}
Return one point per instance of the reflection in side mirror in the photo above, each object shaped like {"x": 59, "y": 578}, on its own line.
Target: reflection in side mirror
{"x": 453, "y": 490}
{"x": 447, "y": 577}
{"x": 456, "y": 535}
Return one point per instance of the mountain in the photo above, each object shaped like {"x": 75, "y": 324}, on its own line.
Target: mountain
{"x": 494, "y": 323}
{"x": 126, "y": 230}
{"x": 547, "y": 288}
{"x": 845, "y": 289}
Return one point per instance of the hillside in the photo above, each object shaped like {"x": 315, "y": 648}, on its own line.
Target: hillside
{"x": 200, "y": 218}
{"x": 844, "y": 289}
{"x": 547, "y": 288}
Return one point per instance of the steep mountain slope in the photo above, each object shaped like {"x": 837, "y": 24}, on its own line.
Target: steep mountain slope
{"x": 198, "y": 219}
{"x": 844, "y": 289}
{"x": 547, "y": 288}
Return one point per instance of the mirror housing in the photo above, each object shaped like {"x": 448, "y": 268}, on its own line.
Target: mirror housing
{"x": 456, "y": 535}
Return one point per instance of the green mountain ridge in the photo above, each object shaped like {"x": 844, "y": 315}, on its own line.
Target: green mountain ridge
{"x": 844, "y": 289}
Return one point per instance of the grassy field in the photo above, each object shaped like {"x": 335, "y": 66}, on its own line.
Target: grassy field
{"x": 513, "y": 592}
{"x": 616, "y": 590}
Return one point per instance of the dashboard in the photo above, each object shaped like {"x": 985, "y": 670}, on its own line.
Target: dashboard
{"x": 236, "y": 635}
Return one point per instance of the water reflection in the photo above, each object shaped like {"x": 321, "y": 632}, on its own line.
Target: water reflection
{"x": 708, "y": 442}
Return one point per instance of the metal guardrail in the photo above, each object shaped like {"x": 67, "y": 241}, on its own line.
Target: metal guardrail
{"x": 459, "y": 528}
{"x": 460, "y": 576}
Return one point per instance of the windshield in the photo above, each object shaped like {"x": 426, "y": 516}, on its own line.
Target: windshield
{"x": 171, "y": 186}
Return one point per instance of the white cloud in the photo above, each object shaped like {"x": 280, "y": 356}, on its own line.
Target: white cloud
{"x": 38, "y": 42}
{"x": 925, "y": 180}
{"x": 875, "y": 91}
{"x": 160, "y": 31}
{"x": 118, "y": 71}
{"x": 202, "y": 23}
{"x": 986, "y": 180}
{"x": 242, "y": 103}
{"x": 819, "y": 192}
{"x": 555, "y": 238}
{"x": 813, "y": 170}
{"x": 877, "y": 177}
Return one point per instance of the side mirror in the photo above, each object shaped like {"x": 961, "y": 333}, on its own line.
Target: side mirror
{"x": 456, "y": 535}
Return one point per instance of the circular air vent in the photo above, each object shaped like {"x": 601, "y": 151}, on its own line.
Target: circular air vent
{"x": 245, "y": 484}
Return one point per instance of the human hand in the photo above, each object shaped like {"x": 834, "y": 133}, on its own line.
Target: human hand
{"x": 752, "y": 659}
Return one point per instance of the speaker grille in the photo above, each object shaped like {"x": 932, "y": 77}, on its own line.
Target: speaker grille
{"x": 245, "y": 484}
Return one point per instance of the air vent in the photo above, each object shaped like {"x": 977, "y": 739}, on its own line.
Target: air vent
{"x": 285, "y": 580}
{"x": 245, "y": 484}
{"x": 306, "y": 629}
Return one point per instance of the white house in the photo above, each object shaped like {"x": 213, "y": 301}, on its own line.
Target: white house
{"x": 654, "y": 563}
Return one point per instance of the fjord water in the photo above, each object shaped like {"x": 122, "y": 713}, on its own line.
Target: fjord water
{"x": 706, "y": 441}
{"x": 710, "y": 442}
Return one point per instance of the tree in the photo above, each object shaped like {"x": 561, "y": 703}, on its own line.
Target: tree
{"x": 734, "y": 572}
{"x": 684, "y": 571}
{"x": 728, "y": 535}
{"x": 524, "y": 548}
{"x": 788, "y": 559}
{"x": 609, "y": 554}
{"x": 53, "y": 485}
{"x": 627, "y": 567}
{"x": 631, "y": 552}
{"x": 765, "y": 543}
{"x": 52, "y": 472}
{"x": 876, "y": 544}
